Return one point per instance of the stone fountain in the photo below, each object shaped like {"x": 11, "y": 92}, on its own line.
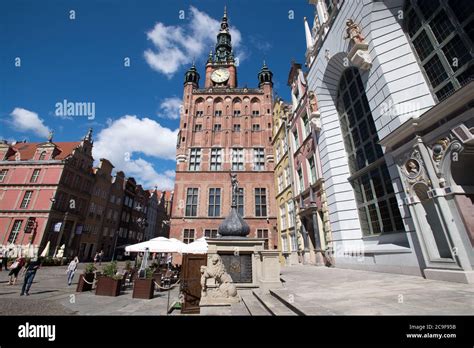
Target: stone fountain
{"x": 242, "y": 261}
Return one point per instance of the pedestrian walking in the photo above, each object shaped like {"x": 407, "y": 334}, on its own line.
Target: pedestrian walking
{"x": 101, "y": 255}
{"x": 30, "y": 274}
{"x": 15, "y": 268}
{"x": 96, "y": 257}
{"x": 71, "y": 269}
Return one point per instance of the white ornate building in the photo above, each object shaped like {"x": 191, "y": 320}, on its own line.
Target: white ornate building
{"x": 392, "y": 80}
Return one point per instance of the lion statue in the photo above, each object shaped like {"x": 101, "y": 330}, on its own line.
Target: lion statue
{"x": 216, "y": 270}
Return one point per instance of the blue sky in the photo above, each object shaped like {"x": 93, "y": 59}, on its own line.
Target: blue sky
{"x": 47, "y": 57}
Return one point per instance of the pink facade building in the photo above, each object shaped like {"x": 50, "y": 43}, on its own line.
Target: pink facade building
{"x": 44, "y": 191}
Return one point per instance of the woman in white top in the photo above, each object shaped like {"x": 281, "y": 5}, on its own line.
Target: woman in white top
{"x": 71, "y": 269}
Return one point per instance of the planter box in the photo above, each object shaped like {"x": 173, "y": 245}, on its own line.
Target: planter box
{"x": 143, "y": 288}
{"x": 82, "y": 285}
{"x": 108, "y": 286}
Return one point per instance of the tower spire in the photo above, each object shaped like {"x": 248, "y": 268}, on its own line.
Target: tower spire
{"x": 224, "y": 46}
{"x": 309, "y": 38}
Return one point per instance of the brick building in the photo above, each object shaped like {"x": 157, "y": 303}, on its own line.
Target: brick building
{"x": 223, "y": 128}
{"x": 165, "y": 205}
{"x": 44, "y": 192}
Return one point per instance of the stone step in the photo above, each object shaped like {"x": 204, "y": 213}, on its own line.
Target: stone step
{"x": 273, "y": 304}
{"x": 290, "y": 300}
{"x": 254, "y": 307}
{"x": 239, "y": 309}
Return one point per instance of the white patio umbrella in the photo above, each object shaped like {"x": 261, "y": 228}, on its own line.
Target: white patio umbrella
{"x": 199, "y": 246}
{"x": 157, "y": 245}
{"x": 45, "y": 251}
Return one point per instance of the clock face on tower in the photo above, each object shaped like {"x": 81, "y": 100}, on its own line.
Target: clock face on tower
{"x": 220, "y": 75}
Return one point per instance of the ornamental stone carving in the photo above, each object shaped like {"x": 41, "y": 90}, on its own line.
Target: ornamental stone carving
{"x": 358, "y": 48}
{"x": 226, "y": 290}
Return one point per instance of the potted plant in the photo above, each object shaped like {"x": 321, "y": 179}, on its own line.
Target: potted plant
{"x": 110, "y": 282}
{"x": 144, "y": 287}
{"x": 86, "y": 279}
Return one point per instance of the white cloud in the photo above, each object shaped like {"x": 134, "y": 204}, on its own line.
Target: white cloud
{"x": 127, "y": 137}
{"x": 178, "y": 45}
{"x": 170, "y": 108}
{"x": 28, "y": 121}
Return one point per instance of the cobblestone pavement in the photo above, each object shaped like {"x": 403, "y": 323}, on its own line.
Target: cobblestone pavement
{"x": 50, "y": 295}
{"x": 336, "y": 291}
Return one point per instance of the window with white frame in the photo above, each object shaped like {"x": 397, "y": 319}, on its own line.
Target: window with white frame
{"x": 3, "y": 174}
{"x": 258, "y": 158}
{"x": 188, "y": 235}
{"x": 291, "y": 213}
{"x": 294, "y": 243}
{"x": 216, "y": 159}
{"x": 280, "y": 183}
{"x": 15, "y": 231}
{"x": 195, "y": 159}
{"x": 26, "y": 199}
{"x": 284, "y": 244}
{"x": 191, "y": 201}
{"x": 214, "y": 202}
{"x": 35, "y": 175}
{"x": 283, "y": 220}
{"x": 237, "y": 159}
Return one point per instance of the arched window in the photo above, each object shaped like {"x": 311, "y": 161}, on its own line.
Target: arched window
{"x": 255, "y": 107}
{"x": 42, "y": 155}
{"x": 376, "y": 201}
{"x": 441, "y": 32}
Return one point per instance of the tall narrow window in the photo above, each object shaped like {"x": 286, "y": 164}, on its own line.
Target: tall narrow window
{"x": 195, "y": 159}
{"x": 237, "y": 159}
{"x": 216, "y": 159}
{"x": 300, "y": 180}
{"x": 191, "y": 201}
{"x": 280, "y": 183}
{"x": 287, "y": 175}
{"x": 240, "y": 201}
{"x": 3, "y": 174}
{"x": 291, "y": 213}
{"x": 283, "y": 220}
{"x": 35, "y": 175}
{"x": 15, "y": 231}
{"x": 307, "y": 128}
{"x": 26, "y": 199}
{"x": 295, "y": 138}
{"x": 258, "y": 159}
{"x": 312, "y": 169}
{"x": 214, "y": 202}
{"x": 263, "y": 233}
{"x": 441, "y": 35}
{"x": 260, "y": 202}
{"x": 188, "y": 235}
{"x": 369, "y": 174}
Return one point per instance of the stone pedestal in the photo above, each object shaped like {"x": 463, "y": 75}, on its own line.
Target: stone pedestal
{"x": 245, "y": 259}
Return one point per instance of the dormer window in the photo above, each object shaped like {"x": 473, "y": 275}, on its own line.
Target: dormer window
{"x": 42, "y": 155}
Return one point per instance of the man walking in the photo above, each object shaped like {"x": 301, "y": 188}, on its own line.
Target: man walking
{"x": 71, "y": 270}
{"x": 30, "y": 273}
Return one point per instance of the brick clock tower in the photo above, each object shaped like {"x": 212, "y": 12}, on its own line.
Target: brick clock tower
{"x": 224, "y": 128}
